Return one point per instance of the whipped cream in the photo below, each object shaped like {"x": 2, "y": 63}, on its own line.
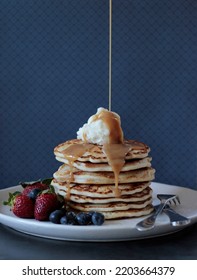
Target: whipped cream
{"x": 102, "y": 128}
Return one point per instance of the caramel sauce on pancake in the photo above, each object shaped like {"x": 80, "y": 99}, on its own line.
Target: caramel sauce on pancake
{"x": 72, "y": 153}
{"x": 116, "y": 158}
{"x": 115, "y": 150}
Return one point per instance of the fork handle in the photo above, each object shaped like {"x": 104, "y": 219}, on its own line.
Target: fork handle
{"x": 175, "y": 218}
{"x": 149, "y": 222}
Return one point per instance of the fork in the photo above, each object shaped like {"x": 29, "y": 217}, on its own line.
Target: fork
{"x": 175, "y": 218}
{"x": 149, "y": 222}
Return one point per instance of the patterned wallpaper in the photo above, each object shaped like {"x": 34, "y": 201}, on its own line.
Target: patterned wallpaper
{"x": 54, "y": 75}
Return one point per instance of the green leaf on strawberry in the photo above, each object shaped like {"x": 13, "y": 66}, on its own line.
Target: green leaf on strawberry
{"x": 11, "y": 198}
{"x": 46, "y": 181}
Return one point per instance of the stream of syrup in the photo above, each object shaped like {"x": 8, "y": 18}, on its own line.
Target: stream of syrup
{"x": 110, "y": 54}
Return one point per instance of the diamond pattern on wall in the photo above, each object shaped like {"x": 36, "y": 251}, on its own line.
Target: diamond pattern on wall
{"x": 54, "y": 75}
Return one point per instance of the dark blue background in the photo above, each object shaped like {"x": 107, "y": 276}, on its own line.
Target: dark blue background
{"x": 54, "y": 75}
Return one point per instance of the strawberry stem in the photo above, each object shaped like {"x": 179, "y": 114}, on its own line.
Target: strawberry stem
{"x": 11, "y": 198}
{"x": 46, "y": 181}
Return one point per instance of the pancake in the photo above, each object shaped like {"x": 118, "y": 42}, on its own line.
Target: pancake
{"x": 97, "y": 167}
{"x": 113, "y": 179}
{"x": 131, "y": 213}
{"x": 81, "y": 177}
{"x": 99, "y": 190}
{"x": 95, "y": 153}
{"x": 110, "y": 206}
{"x": 140, "y": 196}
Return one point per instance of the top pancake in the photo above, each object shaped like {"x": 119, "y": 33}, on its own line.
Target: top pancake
{"x": 95, "y": 154}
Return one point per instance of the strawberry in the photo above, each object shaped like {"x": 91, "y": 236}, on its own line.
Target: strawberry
{"x": 40, "y": 184}
{"x": 37, "y": 185}
{"x": 45, "y": 203}
{"x": 21, "y": 205}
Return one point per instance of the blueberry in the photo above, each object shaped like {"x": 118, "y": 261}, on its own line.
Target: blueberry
{"x": 56, "y": 215}
{"x": 83, "y": 218}
{"x": 71, "y": 215}
{"x": 69, "y": 219}
{"x": 72, "y": 219}
{"x": 72, "y": 222}
{"x": 64, "y": 220}
{"x": 34, "y": 193}
{"x": 90, "y": 213}
{"x": 98, "y": 218}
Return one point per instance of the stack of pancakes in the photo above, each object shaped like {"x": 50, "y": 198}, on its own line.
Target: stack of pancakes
{"x": 87, "y": 180}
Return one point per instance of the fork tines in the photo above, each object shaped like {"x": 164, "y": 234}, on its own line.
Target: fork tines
{"x": 176, "y": 199}
{"x": 169, "y": 198}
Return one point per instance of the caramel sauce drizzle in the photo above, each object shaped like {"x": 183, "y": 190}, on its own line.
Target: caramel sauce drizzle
{"x": 116, "y": 158}
{"x": 72, "y": 153}
{"x": 115, "y": 150}
{"x": 113, "y": 123}
{"x": 110, "y": 54}
{"x": 115, "y": 153}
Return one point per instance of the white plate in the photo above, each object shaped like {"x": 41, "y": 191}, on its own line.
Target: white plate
{"x": 117, "y": 230}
